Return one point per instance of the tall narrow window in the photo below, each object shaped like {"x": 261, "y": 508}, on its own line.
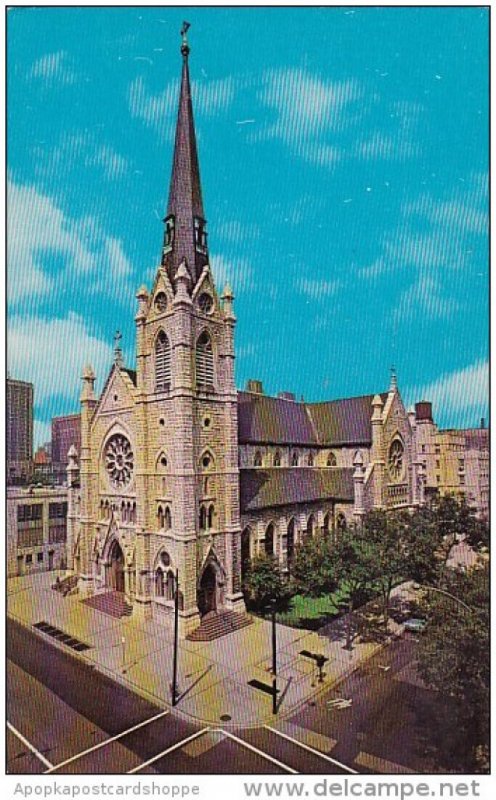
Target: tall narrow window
{"x": 162, "y": 363}
{"x": 269, "y": 540}
{"x": 277, "y": 459}
{"x": 204, "y": 362}
{"x": 257, "y": 462}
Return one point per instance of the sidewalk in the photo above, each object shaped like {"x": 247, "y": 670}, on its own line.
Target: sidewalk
{"x": 212, "y": 676}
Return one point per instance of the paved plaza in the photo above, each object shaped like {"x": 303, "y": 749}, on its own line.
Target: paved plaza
{"x": 212, "y": 676}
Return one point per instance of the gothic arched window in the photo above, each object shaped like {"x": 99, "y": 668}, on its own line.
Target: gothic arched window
{"x": 269, "y": 540}
{"x": 159, "y": 583}
{"x": 257, "y": 462}
{"x": 203, "y": 518}
{"x": 331, "y": 460}
{"x": 310, "y": 526}
{"x": 341, "y": 522}
{"x": 160, "y": 517}
{"x": 211, "y": 516}
{"x": 294, "y": 459}
{"x": 162, "y": 363}
{"x": 310, "y": 460}
{"x": 167, "y": 518}
{"x": 277, "y": 459}
{"x": 204, "y": 362}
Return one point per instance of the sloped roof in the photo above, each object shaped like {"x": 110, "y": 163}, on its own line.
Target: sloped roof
{"x": 274, "y": 420}
{"x": 281, "y": 486}
{"x": 345, "y": 421}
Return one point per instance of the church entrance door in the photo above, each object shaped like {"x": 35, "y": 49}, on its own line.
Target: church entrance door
{"x": 207, "y": 593}
{"x": 116, "y": 569}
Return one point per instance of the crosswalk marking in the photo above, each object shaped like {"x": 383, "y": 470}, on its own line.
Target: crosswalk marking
{"x": 311, "y": 750}
{"x": 27, "y": 744}
{"x": 106, "y": 742}
{"x": 260, "y": 752}
{"x": 382, "y": 765}
{"x": 166, "y": 752}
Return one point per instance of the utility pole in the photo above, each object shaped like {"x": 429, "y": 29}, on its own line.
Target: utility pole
{"x": 176, "y": 632}
{"x": 274, "y": 660}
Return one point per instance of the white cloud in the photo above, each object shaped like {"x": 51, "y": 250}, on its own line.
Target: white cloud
{"x": 317, "y": 289}
{"x": 37, "y": 227}
{"x": 305, "y": 105}
{"x": 159, "y": 110}
{"x": 424, "y": 297}
{"x": 53, "y": 68}
{"x": 51, "y": 353}
{"x": 457, "y": 395}
{"x": 112, "y": 163}
{"x": 74, "y": 149}
{"x": 238, "y": 273}
{"x": 379, "y": 146}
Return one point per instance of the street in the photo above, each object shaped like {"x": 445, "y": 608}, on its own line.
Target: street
{"x": 66, "y": 717}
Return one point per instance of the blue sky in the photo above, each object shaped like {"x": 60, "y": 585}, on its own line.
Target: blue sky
{"x": 344, "y": 159}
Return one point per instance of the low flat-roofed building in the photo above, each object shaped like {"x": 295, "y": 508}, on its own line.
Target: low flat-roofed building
{"x": 36, "y": 530}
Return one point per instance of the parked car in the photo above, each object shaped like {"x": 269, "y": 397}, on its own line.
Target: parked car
{"x": 415, "y": 624}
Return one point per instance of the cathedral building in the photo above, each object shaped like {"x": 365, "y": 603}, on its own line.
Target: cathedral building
{"x": 180, "y": 473}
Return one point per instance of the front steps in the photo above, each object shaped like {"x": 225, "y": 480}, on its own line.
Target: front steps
{"x": 112, "y": 603}
{"x": 218, "y": 623}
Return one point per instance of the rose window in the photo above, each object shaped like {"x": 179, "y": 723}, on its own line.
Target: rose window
{"x": 119, "y": 460}
{"x": 395, "y": 462}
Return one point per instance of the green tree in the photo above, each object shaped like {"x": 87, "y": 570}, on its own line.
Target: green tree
{"x": 265, "y": 583}
{"x": 453, "y": 658}
{"x": 350, "y": 567}
{"x": 452, "y": 518}
{"x": 313, "y": 570}
{"x": 384, "y": 551}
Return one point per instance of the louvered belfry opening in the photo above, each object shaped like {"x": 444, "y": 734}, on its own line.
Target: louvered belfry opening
{"x": 162, "y": 363}
{"x": 204, "y": 362}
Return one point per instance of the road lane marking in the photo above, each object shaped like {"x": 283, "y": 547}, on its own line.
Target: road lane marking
{"x": 382, "y": 765}
{"x": 31, "y": 747}
{"x": 169, "y": 750}
{"x": 260, "y": 752}
{"x": 312, "y": 750}
{"x": 106, "y": 742}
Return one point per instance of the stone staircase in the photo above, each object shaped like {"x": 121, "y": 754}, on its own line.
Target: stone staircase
{"x": 112, "y": 603}
{"x": 218, "y": 623}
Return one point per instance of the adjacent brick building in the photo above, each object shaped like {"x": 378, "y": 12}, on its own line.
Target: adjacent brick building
{"x": 36, "y": 530}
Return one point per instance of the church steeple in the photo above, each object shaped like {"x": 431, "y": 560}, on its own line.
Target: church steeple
{"x": 185, "y": 236}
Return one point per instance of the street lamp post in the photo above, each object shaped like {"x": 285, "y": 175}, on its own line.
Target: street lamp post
{"x": 176, "y": 636}
{"x": 447, "y": 594}
{"x": 274, "y": 659}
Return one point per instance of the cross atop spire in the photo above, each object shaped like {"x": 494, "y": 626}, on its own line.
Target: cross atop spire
{"x": 185, "y": 234}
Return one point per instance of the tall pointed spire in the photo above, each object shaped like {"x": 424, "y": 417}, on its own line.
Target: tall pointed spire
{"x": 185, "y": 226}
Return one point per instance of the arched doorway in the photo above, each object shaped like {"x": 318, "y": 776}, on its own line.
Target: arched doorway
{"x": 207, "y": 592}
{"x": 116, "y": 568}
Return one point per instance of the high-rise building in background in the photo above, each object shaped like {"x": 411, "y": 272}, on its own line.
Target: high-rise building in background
{"x": 20, "y": 396}
{"x": 66, "y": 431}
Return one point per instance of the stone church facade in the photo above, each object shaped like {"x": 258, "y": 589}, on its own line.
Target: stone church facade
{"x": 178, "y": 473}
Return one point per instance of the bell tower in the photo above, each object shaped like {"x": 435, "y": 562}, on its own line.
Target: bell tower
{"x": 187, "y": 406}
